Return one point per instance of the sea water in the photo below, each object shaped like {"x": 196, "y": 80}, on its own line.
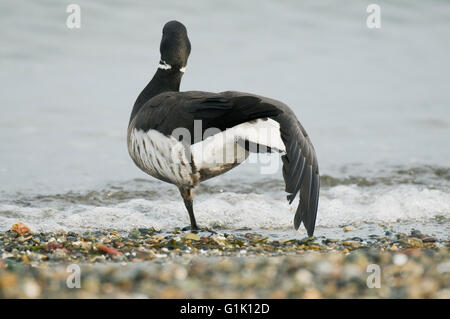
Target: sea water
{"x": 375, "y": 102}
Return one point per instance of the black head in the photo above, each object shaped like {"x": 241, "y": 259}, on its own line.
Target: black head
{"x": 175, "y": 46}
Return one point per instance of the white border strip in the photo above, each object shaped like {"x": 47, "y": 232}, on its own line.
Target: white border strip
{"x": 164, "y": 66}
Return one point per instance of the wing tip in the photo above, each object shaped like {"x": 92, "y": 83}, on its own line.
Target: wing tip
{"x": 307, "y": 210}
{"x": 309, "y": 226}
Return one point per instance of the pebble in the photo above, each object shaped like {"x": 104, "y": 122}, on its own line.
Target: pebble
{"x": 411, "y": 242}
{"x": 429, "y": 239}
{"x": 400, "y": 259}
{"x": 352, "y": 243}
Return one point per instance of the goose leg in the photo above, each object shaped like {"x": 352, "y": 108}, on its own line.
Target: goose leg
{"x": 188, "y": 197}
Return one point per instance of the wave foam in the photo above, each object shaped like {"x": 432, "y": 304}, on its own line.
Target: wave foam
{"x": 339, "y": 205}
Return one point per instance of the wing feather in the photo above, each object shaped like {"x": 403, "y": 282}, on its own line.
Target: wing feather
{"x": 300, "y": 171}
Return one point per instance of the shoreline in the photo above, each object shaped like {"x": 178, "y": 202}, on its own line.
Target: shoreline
{"x": 145, "y": 263}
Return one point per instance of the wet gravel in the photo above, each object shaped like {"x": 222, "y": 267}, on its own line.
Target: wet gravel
{"x": 147, "y": 263}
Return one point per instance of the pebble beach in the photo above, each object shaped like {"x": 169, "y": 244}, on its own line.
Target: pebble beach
{"x": 146, "y": 263}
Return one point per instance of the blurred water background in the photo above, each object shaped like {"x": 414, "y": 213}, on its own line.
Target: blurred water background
{"x": 376, "y": 103}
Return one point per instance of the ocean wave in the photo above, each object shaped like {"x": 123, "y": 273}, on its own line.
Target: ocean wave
{"x": 164, "y": 209}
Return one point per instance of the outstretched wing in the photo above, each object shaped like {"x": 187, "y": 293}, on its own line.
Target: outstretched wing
{"x": 300, "y": 171}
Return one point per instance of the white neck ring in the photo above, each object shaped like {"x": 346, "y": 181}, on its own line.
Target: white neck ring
{"x": 164, "y": 66}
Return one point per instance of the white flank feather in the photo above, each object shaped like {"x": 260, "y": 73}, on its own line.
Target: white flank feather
{"x": 160, "y": 156}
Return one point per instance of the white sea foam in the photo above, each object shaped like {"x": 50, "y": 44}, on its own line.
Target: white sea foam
{"x": 338, "y": 205}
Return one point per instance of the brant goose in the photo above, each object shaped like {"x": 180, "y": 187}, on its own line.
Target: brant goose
{"x": 177, "y": 137}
